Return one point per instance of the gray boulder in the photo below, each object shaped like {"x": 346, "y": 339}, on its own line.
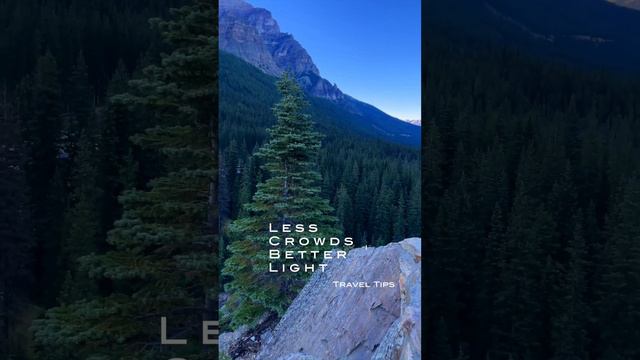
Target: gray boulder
{"x": 402, "y": 340}
{"x": 368, "y": 321}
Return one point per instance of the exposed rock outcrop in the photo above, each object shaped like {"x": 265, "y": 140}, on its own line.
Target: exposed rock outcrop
{"x": 245, "y": 342}
{"x": 330, "y": 320}
{"x": 253, "y": 35}
{"x": 402, "y": 340}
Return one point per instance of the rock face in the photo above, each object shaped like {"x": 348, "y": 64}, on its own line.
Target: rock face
{"x": 402, "y": 340}
{"x": 327, "y": 321}
{"x": 253, "y": 35}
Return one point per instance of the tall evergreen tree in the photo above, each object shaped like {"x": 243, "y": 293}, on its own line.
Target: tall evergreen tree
{"x": 163, "y": 260}
{"x": 81, "y": 94}
{"x": 383, "y": 215}
{"x": 414, "y": 211}
{"x": 83, "y": 230}
{"x": 289, "y": 195}
{"x": 400, "y": 220}
{"x": 518, "y": 305}
{"x": 344, "y": 210}
{"x": 494, "y": 263}
{"x": 572, "y": 313}
{"x": 620, "y": 279}
{"x": 39, "y": 108}
{"x": 116, "y": 166}
{"x": 16, "y": 237}
{"x": 248, "y": 184}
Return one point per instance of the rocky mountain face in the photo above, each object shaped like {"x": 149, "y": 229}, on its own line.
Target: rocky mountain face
{"x": 253, "y": 35}
{"x": 330, "y": 321}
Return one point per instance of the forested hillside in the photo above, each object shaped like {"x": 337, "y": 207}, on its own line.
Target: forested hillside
{"x": 373, "y": 185}
{"x": 578, "y": 32}
{"x": 531, "y": 190}
{"x": 89, "y": 197}
{"x": 105, "y": 32}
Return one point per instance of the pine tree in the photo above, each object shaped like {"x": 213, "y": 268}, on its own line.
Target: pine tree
{"x": 518, "y": 306}
{"x": 494, "y": 263}
{"x": 432, "y": 166}
{"x": 441, "y": 348}
{"x": 383, "y": 216}
{"x": 400, "y": 220}
{"x": 620, "y": 279}
{"x": 569, "y": 332}
{"x": 247, "y": 184}
{"x": 362, "y": 209}
{"x": 117, "y": 168}
{"x": 233, "y": 168}
{"x": 563, "y": 202}
{"x": 289, "y": 195}
{"x": 344, "y": 210}
{"x": 77, "y": 113}
{"x": 414, "y": 211}
{"x": 39, "y": 109}
{"x": 81, "y": 99}
{"x": 163, "y": 260}
{"x": 83, "y": 232}
{"x": 16, "y": 238}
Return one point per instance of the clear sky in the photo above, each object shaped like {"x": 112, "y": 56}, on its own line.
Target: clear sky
{"x": 369, "y": 48}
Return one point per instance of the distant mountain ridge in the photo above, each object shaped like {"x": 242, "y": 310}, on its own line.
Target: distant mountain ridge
{"x": 253, "y": 35}
{"x": 601, "y": 33}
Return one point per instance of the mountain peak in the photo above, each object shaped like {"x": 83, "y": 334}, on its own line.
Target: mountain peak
{"x": 254, "y": 35}
{"x": 234, "y": 4}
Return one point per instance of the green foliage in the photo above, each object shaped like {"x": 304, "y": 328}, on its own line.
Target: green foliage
{"x": 162, "y": 258}
{"x": 366, "y": 167}
{"x": 83, "y": 231}
{"x": 47, "y": 165}
{"x": 571, "y": 320}
{"x": 528, "y": 185}
{"x": 620, "y": 281}
{"x": 102, "y": 33}
{"x": 290, "y": 194}
{"x": 16, "y": 236}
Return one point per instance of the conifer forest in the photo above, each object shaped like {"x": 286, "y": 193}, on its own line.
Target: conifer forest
{"x": 531, "y": 201}
{"x": 109, "y": 218}
{"x": 112, "y": 197}
{"x": 138, "y": 164}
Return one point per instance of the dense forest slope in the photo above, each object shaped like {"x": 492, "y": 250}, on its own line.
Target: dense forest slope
{"x": 581, "y": 32}
{"x": 65, "y": 154}
{"x": 531, "y": 193}
{"x": 105, "y": 32}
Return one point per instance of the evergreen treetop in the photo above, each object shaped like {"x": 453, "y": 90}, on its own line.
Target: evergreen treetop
{"x": 290, "y": 194}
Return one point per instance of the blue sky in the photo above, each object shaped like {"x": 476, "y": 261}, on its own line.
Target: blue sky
{"x": 369, "y": 48}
